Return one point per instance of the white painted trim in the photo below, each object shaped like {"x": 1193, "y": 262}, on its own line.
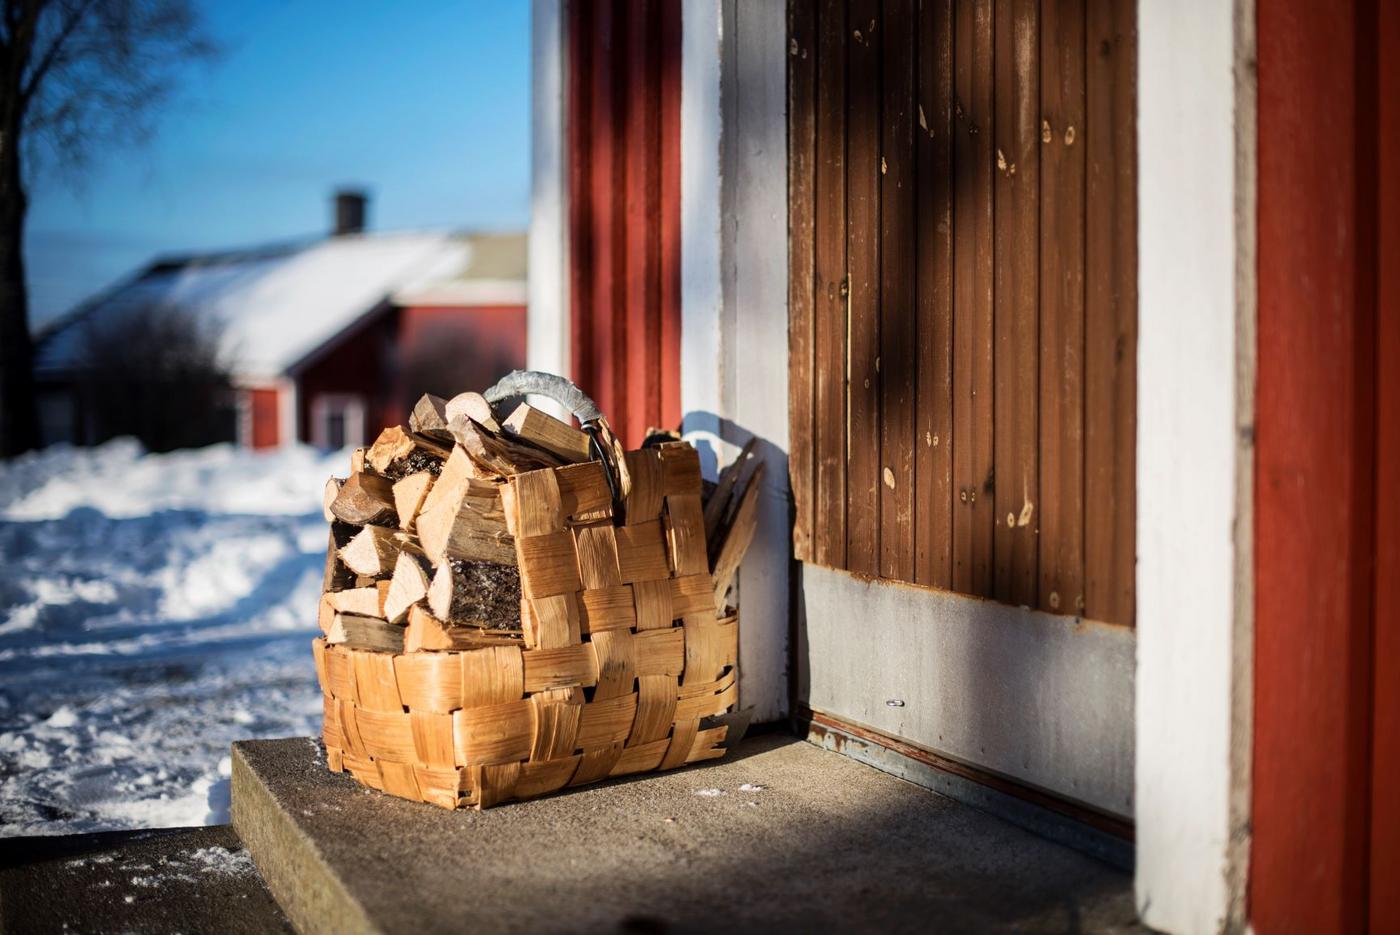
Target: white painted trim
{"x": 463, "y": 292}
{"x": 547, "y": 319}
{"x": 1040, "y": 698}
{"x": 288, "y": 419}
{"x": 734, "y": 295}
{"x": 1192, "y": 646}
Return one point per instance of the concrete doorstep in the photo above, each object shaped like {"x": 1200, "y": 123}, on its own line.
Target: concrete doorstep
{"x": 779, "y": 835}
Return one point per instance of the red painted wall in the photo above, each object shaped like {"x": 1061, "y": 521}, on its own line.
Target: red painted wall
{"x": 623, "y": 115}
{"x": 362, "y": 362}
{"x": 1315, "y": 849}
{"x": 447, "y": 351}
{"x": 263, "y": 407}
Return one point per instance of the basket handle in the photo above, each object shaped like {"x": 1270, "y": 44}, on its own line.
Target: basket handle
{"x": 565, "y": 392}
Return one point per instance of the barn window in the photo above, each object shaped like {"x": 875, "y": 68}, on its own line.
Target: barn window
{"x": 337, "y": 420}
{"x": 963, "y": 296}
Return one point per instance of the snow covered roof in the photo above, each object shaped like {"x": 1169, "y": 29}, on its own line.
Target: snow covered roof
{"x": 277, "y": 306}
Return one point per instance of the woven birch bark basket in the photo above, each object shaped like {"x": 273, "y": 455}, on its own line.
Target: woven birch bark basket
{"x": 620, "y": 653}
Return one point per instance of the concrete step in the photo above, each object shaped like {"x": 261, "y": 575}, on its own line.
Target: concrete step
{"x": 175, "y": 880}
{"x": 780, "y": 834}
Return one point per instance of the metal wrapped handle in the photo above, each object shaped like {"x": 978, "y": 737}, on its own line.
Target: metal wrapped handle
{"x": 563, "y": 391}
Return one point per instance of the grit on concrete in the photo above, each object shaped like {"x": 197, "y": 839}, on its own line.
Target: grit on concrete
{"x": 176, "y": 880}
{"x": 781, "y": 835}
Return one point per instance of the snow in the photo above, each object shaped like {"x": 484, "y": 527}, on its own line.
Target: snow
{"x": 276, "y": 305}
{"x": 154, "y": 608}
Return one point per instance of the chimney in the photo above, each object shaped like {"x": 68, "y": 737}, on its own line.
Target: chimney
{"x": 350, "y": 205}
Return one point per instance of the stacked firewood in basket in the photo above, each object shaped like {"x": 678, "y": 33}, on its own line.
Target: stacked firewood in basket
{"x": 421, "y": 553}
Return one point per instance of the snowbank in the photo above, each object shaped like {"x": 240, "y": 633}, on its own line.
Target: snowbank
{"x": 153, "y": 609}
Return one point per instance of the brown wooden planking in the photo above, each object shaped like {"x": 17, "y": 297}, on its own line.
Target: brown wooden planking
{"x": 1110, "y": 311}
{"x": 829, "y": 354}
{"x": 863, "y": 268}
{"x": 1061, "y": 511}
{"x": 933, "y": 425}
{"x": 802, "y": 62}
{"x": 898, "y": 337}
{"x": 1017, "y": 298}
{"x": 972, "y": 298}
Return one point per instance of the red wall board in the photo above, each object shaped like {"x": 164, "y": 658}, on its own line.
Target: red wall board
{"x": 263, "y": 406}
{"x": 623, "y": 145}
{"x": 1314, "y": 483}
{"x": 1385, "y": 730}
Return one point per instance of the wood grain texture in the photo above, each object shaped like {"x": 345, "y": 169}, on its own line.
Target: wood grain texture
{"x": 802, "y": 143}
{"x": 863, "y": 101}
{"x": 829, "y": 397}
{"x": 973, "y": 156}
{"x": 1110, "y": 311}
{"x": 1060, "y": 516}
{"x": 896, "y": 360}
{"x": 933, "y": 422}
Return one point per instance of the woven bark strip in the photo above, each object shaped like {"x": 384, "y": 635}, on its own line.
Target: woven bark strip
{"x": 617, "y": 662}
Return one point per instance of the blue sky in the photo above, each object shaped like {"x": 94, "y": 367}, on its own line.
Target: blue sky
{"x": 424, "y": 103}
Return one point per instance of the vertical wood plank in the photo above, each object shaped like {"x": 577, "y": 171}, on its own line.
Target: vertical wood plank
{"x": 863, "y": 266}
{"x": 802, "y": 61}
{"x": 933, "y": 429}
{"x": 896, "y": 361}
{"x": 831, "y": 288}
{"x": 1017, "y": 363}
{"x": 641, "y": 256}
{"x": 1110, "y": 311}
{"x": 668, "y": 56}
{"x": 1061, "y": 510}
{"x": 580, "y": 119}
{"x": 972, "y": 298}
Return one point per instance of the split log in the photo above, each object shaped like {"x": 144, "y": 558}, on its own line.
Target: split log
{"x": 426, "y": 633}
{"x": 473, "y": 406}
{"x": 328, "y": 495}
{"x": 336, "y": 632}
{"x": 338, "y": 576}
{"x": 326, "y": 614}
{"x": 466, "y": 523}
{"x": 409, "y": 495}
{"x": 396, "y": 453}
{"x": 456, "y": 470}
{"x": 372, "y": 552}
{"x": 719, "y": 502}
{"x": 366, "y": 499}
{"x": 408, "y": 586}
{"x": 479, "y": 594}
{"x": 736, "y": 536}
{"x": 366, "y": 602}
{"x": 370, "y": 633}
{"x": 357, "y": 461}
{"x": 429, "y": 416}
{"x": 499, "y": 456}
{"x": 542, "y": 430}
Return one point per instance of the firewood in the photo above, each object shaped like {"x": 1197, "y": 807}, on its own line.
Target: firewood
{"x": 326, "y": 614}
{"x": 409, "y": 495}
{"x": 475, "y": 407}
{"x": 367, "y": 602}
{"x": 479, "y": 594}
{"x": 408, "y": 586}
{"x": 337, "y": 576}
{"x": 371, "y": 633}
{"x": 466, "y": 523}
{"x": 426, "y": 633}
{"x": 542, "y": 430}
{"x": 396, "y": 453}
{"x": 429, "y": 416}
{"x": 372, "y": 552}
{"x": 336, "y": 633}
{"x": 328, "y": 495}
{"x": 500, "y": 456}
{"x": 719, "y": 502}
{"x": 736, "y": 536}
{"x": 366, "y": 499}
{"x": 357, "y": 461}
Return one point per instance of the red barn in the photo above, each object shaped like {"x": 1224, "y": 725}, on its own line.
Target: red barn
{"x": 326, "y": 340}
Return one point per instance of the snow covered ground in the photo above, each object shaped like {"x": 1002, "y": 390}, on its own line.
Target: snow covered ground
{"x": 153, "y": 609}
